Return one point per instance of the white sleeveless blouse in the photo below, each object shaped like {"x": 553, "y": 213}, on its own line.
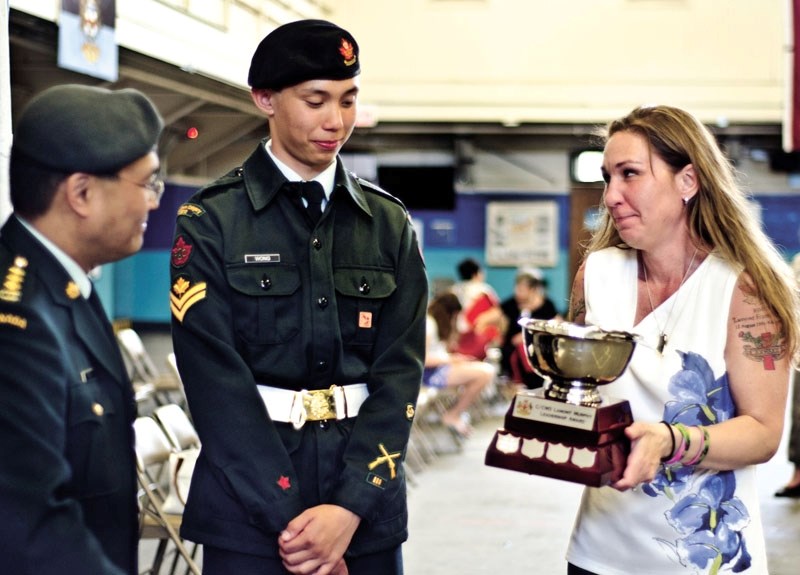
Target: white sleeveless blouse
{"x": 686, "y": 521}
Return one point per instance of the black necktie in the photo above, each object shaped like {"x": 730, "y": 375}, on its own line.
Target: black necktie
{"x": 313, "y": 193}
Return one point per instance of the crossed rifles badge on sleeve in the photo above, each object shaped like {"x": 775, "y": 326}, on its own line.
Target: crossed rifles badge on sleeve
{"x": 388, "y": 459}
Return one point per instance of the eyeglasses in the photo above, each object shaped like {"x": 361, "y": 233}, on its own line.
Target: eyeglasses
{"x": 155, "y": 185}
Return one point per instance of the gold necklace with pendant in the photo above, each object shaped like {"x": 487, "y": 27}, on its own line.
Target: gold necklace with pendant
{"x": 662, "y": 333}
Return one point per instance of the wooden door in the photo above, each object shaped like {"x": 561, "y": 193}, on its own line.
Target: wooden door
{"x": 584, "y": 203}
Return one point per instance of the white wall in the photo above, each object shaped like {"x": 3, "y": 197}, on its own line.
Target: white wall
{"x": 504, "y": 61}
{"x": 577, "y": 60}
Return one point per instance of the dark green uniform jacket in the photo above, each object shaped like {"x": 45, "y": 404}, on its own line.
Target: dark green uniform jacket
{"x": 67, "y": 467}
{"x": 260, "y": 295}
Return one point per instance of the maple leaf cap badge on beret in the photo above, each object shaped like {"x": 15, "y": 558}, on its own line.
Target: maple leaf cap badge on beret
{"x": 304, "y": 50}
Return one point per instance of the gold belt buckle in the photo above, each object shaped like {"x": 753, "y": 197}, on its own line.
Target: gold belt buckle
{"x": 319, "y": 404}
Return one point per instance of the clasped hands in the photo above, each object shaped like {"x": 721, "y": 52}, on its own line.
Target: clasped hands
{"x": 315, "y": 541}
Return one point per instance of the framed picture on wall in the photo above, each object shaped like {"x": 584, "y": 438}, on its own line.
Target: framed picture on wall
{"x": 522, "y": 233}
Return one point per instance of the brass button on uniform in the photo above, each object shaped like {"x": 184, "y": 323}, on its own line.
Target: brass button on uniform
{"x": 98, "y": 409}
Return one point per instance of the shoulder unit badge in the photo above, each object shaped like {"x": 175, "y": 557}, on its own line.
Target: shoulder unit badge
{"x": 190, "y": 210}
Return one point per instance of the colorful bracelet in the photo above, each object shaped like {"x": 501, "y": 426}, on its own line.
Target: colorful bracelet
{"x": 672, "y": 437}
{"x": 683, "y": 447}
{"x": 702, "y": 451}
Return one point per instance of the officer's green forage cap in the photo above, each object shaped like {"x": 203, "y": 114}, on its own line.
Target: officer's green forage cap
{"x": 76, "y": 128}
{"x": 301, "y": 51}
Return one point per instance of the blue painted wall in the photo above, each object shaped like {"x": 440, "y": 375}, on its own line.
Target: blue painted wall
{"x": 137, "y": 288}
{"x": 450, "y": 237}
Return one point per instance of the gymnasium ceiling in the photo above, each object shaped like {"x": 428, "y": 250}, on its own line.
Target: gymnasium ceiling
{"x": 229, "y": 125}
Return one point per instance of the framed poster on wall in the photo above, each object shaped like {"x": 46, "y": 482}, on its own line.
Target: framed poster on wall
{"x": 522, "y": 233}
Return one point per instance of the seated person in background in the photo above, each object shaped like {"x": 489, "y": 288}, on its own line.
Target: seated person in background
{"x": 444, "y": 368}
{"x": 529, "y": 301}
{"x": 481, "y": 323}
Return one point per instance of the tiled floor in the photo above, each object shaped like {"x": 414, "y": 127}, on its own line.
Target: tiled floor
{"x": 470, "y": 519}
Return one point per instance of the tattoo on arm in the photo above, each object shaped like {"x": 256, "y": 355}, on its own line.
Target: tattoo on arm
{"x": 762, "y": 335}
{"x": 577, "y": 310}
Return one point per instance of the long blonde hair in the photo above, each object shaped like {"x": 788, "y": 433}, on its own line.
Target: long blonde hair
{"x": 718, "y": 215}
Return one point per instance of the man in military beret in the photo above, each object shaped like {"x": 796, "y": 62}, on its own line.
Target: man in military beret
{"x": 83, "y": 175}
{"x": 298, "y": 299}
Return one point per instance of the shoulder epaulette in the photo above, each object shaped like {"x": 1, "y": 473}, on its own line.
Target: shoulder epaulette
{"x": 367, "y": 185}
{"x": 233, "y": 176}
{"x": 193, "y": 207}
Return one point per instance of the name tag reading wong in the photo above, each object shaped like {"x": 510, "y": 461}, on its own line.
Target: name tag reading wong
{"x": 262, "y": 258}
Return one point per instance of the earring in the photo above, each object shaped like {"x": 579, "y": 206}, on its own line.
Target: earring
{"x": 685, "y": 201}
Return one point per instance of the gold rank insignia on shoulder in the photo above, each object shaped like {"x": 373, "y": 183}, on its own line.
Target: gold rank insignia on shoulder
{"x": 409, "y": 411}
{"x": 190, "y": 210}
{"x": 184, "y": 295}
{"x": 12, "y": 284}
{"x": 72, "y": 290}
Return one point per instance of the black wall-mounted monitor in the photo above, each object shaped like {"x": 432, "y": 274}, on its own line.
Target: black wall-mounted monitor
{"x": 420, "y": 187}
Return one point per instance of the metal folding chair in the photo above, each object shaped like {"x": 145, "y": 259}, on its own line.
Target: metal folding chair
{"x": 153, "y": 450}
{"x": 165, "y": 387}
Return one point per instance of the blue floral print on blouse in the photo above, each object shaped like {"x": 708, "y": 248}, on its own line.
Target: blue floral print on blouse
{"x": 707, "y": 517}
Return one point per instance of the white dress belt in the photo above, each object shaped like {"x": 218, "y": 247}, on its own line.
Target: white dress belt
{"x": 297, "y": 407}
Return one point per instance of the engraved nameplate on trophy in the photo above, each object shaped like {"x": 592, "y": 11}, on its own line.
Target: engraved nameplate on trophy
{"x": 567, "y": 430}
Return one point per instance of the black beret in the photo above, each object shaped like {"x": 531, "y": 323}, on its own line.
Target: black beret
{"x": 76, "y": 128}
{"x": 301, "y": 51}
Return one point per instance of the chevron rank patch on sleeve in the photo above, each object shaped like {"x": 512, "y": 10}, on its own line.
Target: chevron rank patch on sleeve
{"x": 184, "y": 294}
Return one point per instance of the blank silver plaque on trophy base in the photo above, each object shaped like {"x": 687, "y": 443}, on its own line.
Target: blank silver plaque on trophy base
{"x": 567, "y": 430}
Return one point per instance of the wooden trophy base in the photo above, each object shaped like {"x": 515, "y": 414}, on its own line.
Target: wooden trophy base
{"x": 543, "y": 436}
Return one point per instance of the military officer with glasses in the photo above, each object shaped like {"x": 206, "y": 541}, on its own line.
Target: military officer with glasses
{"x": 83, "y": 179}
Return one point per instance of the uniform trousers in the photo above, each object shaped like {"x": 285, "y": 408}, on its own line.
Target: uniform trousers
{"x": 218, "y": 561}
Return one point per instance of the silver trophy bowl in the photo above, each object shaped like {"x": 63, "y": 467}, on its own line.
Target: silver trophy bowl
{"x": 576, "y": 359}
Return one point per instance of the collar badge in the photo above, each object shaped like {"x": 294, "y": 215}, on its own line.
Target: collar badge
{"x": 72, "y": 290}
